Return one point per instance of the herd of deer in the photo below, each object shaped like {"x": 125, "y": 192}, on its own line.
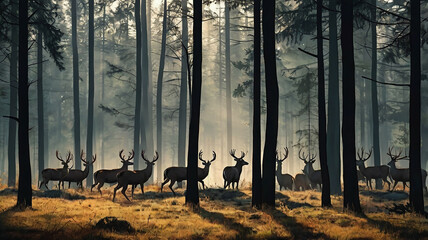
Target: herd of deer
{"x": 309, "y": 179}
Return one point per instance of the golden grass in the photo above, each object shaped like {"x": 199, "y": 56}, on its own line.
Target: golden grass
{"x": 223, "y": 215}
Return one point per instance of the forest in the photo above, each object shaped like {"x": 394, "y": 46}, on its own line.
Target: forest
{"x": 301, "y": 119}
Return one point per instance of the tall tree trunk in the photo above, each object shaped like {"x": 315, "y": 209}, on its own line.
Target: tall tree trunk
{"x": 40, "y": 101}
{"x": 220, "y": 84}
{"x": 145, "y": 78}
{"x": 103, "y": 85}
{"x": 362, "y": 102}
{"x": 13, "y": 100}
{"x": 325, "y": 201}
{"x": 272, "y": 99}
{"x": 159, "y": 91}
{"x": 76, "y": 100}
{"x": 257, "y": 179}
{"x": 228, "y": 79}
{"x": 375, "y": 105}
{"x": 351, "y": 198}
{"x": 149, "y": 123}
{"x": 24, "y": 182}
{"x": 90, "y": 129}
{"x": 192, "y": 193}
{"x": 137, "y": 113}
{"x": 182, "y": 121}
{"x": 416, "y": 193}
{"x": 333, "y": 127}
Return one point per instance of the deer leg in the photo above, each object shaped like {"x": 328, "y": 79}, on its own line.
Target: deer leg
{"x": 164, "y": 182}
{"x": 114, "y": 192}
{"x": 99, "y": 187}
{"x": 132, "y": 191}
{"x": 395, "y": 184}
{"x": 124, "y": 192}
{"x": 389, "y": 184}
{"x": 371, "y": 188}
{"x": 203, "y": 184}
{"x": 170, "y": 187}
{"x": 142, "y": 188}
{"x": 404, "y": 185}
{"x": 93, "y": 185}
{"x": 227, "y": 185}
{"x": 237, "y": 185}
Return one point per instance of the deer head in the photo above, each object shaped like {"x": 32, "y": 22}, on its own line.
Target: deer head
{"x": 239, "y": 160}
{"x": 207, "y": 162}
{"x": 361, "y": 159}
{"x": 150, "y": 163}
{"x": 308, "y": 163}
{"x": 83, "y": 158}
{"x": 126, "y": 161}
{"x": 64, "y": 162}
{"x": 279, "y": 159}
{"x": 395, "y": 157}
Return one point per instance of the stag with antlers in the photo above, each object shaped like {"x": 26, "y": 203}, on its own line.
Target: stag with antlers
{"x": 134, "y": 178}
{"x": 56, "y": 174}
{"x": 313, "y": 175}
{"x": 376, "y": 172}
{"x": 109, "y": 175}
{"x": 402, "y": 174}
{"x": 76, "y": 175}
{"x": 178, "y": 174}
{"x": 232, "y": 174}
{"x": 284, "y": 180}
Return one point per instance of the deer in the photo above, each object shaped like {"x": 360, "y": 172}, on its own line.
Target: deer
{"x": 109, "y": 175}
{"x": 124, "y": 178}
{"x": 402, "y": 174}
{"x": 308, "y": 170}
{"x": 232, "y": 174}
{"x": 76, "y": 175}
{"x": 375, "y": 172}
{"x": 178, "y": 174}
{"x": 301, "y": 181}
{"x": 56, "y": 174}
{"x": 284, "y": 180}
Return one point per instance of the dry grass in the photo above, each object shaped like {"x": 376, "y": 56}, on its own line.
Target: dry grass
{"x": 223, "y": 215}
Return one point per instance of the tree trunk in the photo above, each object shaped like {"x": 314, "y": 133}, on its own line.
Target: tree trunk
{"x": 76, "y": 100}
{"x": 24, "y": 182}
{"x": 13, "y": 101}
{"x": 375, "y": 105}
{"x": 159, "y": 91}
{"x": 40, "y": 113}
{"x": 90, "y": 131}
{"x": 257, "y": 180}
{"x": 137, "y": 113}
{"x": 192, "y": 193}
{"x": 149, "y": 122}
{"x": 272, "y": 99}
{"x": 182, "y": 121}
{"x": 145, "y": 79}
{"x": 103, "y": 85}
{"x": 325, "y": 201}
{"x": 351, "y": 199}
{"x": 228, "y": 79}
{"x": 333, "y": 127}
{"x": 416, "y": 193}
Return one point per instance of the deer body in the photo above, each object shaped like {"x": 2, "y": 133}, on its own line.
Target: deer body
{"x": 232, "y": 174}
{"x": 402, "y": 174}
{"x": 375, "y": 172}
{"x": 75, "y": 175}
{"x": 125, "y": 178}
{"x": 284, "y": 180}
{"x": 301, "y": 181}
{"x": 56, "y": 174}
{"x": 314, "y": 176}
{"x": 178, "y": 174}
{"x": 110, "y": 175}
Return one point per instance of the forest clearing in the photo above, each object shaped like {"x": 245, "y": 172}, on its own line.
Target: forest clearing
{"x": 223, "y": 214}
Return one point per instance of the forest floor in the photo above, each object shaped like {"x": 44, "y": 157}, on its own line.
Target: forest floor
{"x": 223, "y": 214}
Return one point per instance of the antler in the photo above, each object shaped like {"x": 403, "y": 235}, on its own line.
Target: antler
{"x": 302, "y": 156}
{"x": 369, "y": 154}
{"x": 312, "y": 159}
{"x": 69, "y": 157}
{"x": 156, "y": 157}
{"x": 94, "y": 158}
{"x": 82, "y": 155}
{"x": 59, "y": 156}
{"x": 200, "y": 156}
{"x": 286, "y": 153}
{"x": 395, "y": 157}
{"x": 142, "y": 155}
{"x": 242, "y": 155}
{"x": 232, "y": 153}
{"x": 131, "y": 156}
{"x": 214, "y": 156}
